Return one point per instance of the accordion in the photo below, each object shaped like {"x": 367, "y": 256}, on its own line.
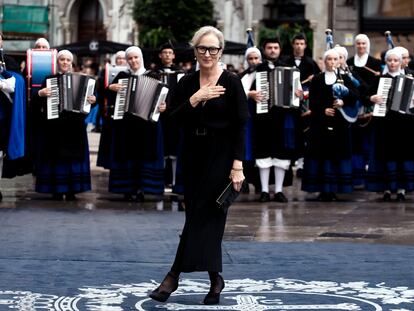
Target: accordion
{"x": 69, "y": 93}
{"x": 397, "y": 95}
{"x": 278, "y": 88}
{"x": 170, "y": 77}
{"x": 111, "y": 72}
{"x": 141, "y": 97}
{"x": 40, "y": 64}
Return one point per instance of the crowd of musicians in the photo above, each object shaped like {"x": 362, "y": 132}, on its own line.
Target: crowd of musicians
{"x": 325, "y": 127}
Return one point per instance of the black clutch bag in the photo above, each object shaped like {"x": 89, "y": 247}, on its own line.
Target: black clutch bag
{"x": 227, "y": 197}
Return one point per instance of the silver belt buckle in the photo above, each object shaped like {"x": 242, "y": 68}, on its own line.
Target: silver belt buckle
{"x": 201, "y": 131}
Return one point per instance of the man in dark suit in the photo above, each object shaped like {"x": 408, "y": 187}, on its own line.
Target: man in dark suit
{"x": 308, "y": 68}
{"x": 306, "y": 65}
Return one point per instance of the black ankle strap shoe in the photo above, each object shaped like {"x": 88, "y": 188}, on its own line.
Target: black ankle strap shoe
{"x": 213, "y": 298}
{"x": 162, "y": 296}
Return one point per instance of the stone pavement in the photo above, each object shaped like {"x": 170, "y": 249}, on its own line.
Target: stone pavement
{"x": 101, "y": 253}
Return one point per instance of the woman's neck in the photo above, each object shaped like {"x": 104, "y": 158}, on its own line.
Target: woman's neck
{"x": 210, "y": 72}
{"x": 210, "y": 75}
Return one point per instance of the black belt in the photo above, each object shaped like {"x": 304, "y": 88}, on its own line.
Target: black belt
{"x": 201, "y": 131}
{"x": 205, "y": 131}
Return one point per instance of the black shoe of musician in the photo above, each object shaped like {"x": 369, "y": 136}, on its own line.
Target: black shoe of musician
{"x": 280, "y": 197}
{"x": 213, "y": 296}
{"x": 400, "y": 197}
{"x": 140, "y": 197}
{"x": 70, "y": 196}
{"x": 264, "y": 197}
{"x": 57, "y": 196}
{"x": 386, "y": 197}
{"x": 166, "y": 288}
{"x": 128, "y": 197}
{"x": 333, "y": 196}
{"x": 324, "y": 197}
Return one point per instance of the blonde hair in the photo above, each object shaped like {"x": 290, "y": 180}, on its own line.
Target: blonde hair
{"x": 206, "y": 30}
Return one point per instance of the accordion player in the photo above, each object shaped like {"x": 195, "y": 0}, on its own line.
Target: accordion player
{"x": 141, "y": 97}
{"x": 111, "y": 71}
{"x": 278, "y": 88}
{"x": 171, "y": 77}
{"x": 397, "y": 95}
{"x": 69, "y": 92}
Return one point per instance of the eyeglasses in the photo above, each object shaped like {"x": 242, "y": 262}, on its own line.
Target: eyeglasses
{"x": 212, "y": 50}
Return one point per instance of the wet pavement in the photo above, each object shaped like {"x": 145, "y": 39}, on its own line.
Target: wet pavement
{"x": 101, "y": 253}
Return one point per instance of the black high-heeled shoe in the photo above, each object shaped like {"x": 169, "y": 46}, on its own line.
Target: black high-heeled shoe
{"x": 162, "y": 296}
{"x": 213, "y": 298}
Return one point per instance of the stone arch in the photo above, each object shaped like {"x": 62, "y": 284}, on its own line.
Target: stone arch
{"x": 70, "y": 20}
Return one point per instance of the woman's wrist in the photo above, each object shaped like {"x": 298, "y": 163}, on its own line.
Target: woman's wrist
{"x": 237, "y": 168}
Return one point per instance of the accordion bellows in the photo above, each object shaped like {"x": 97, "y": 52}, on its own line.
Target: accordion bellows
{"x": 141, "y": 96}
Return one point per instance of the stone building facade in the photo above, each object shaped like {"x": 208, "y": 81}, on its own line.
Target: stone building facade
{"x": 77, "y": 20}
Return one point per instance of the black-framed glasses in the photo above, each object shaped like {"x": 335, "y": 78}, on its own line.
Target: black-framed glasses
{"x": 212, "y": 50}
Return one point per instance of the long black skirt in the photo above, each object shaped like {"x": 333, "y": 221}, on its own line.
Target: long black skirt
{"x": 207, "y": 164}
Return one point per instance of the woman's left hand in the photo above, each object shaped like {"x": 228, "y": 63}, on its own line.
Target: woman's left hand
{"x": 91, "y": 99}
{"x": 237, "y": 177}
{"x": 162, "y": 107}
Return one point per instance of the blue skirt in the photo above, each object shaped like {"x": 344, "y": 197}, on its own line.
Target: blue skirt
{"x": 322, "y": 175}
{"x": 390, "y": 175}
{"x": 358, "y": 169}
{"x": 63, "y": 176}
{"x": 152, "y": 173}
{"x": 131, "y": 176}
{"x": 125, "y": 177}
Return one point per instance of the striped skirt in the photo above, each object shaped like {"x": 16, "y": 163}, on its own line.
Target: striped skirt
{"x": 322, "y": 175}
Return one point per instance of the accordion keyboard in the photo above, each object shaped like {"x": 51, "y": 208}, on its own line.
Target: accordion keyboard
{"x": 52, "y": 100}
{"x": 383, "y": 90}
{"x": 120, "y": 100}
{"x": 262, "y": 86}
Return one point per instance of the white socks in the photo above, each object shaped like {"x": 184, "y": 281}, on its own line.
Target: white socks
{"x": 264, "y": 178}
{"x": 279, "y": 177}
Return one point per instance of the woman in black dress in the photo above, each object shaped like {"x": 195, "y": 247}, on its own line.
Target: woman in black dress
{"x": 391, "y": 161}
{"x": 211, "y": 105}
{"x": 61, "y": 158}
{"x": 129, "y": 147}
{"x": 328, "y": 163}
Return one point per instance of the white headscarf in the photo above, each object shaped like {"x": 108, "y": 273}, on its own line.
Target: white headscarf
{"x": 402, "y": 50}
{"x": 342, "y": 50}
{"x": 330, "y": 76}
{"x": 42, "y": 41}
{"x": 361, "y": 61}
{"x": 137, "y": 50}
{"x": 120, "y": 54}
{"x": 396, "y": 52}
{"x": 252, "y": 49}
{"x": 66, "y": 53}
